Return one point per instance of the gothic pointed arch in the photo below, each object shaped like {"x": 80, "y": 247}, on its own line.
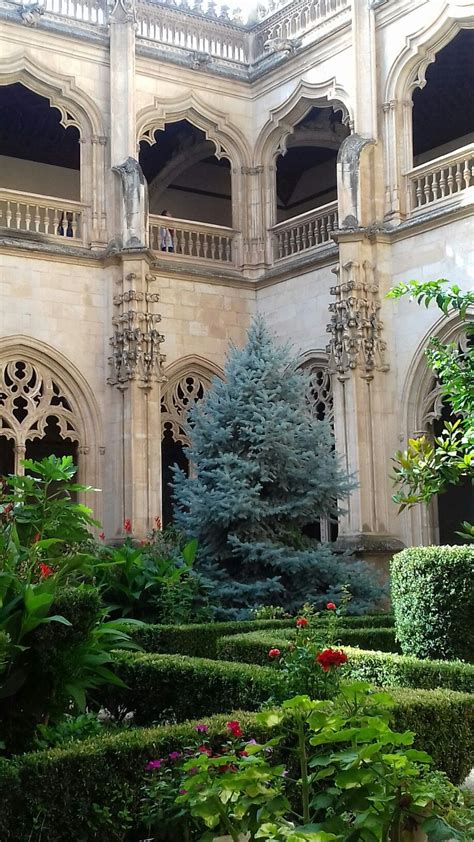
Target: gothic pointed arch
{"x": 228, "y": 139}
{"x": 186, "y": 383}
{"x": 273, "y": 138}
{"x": 423, "y": 407}
{"x": 40, "y": 391}
{"x": 75, "y": 106}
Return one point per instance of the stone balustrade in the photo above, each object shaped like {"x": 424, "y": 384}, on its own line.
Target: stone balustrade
{"x": 303, "y": 232}
{"x": 441, "y": 178}
{"x": 54, "y": 218}
{"x": 191, "y": 239}
{"x": 87, "y": 11}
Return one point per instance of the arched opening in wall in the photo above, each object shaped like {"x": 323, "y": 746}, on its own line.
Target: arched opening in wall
{"x": 40, "y": 159}
{"x": 456, "y": 504}
{"x": 37, "y": 413}
{"x": 443, "y": 110}
{"x": 320, "y": 401}
{"x": 179, "y": 396}
{"x": 306, "y": 173}
{"x": 187, "y": 182}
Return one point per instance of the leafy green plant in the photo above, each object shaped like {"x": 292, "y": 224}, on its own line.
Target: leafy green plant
{"x": 68, "y": 729}
{"x": 149, "y": 581}
{"x": 428, "y": 466}
{"x": 310, "y": 664}
{"x": 268, "y": 612}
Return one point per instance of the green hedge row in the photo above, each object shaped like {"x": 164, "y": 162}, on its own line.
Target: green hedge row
{"x": 433, "y": 600}
{"x": 379, "y": 640}
{"x": 200, "y": 639}
{"x": 385, "y": 669}
{"x": 166, "y": 686}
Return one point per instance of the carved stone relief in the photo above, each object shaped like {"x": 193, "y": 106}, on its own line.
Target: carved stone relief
{"x": 355, "y": 326}
{"x": 178, "y": 398}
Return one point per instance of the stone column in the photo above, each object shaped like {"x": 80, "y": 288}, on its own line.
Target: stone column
{"x": 136, "y": 375}
{"x": 253, "y": 221}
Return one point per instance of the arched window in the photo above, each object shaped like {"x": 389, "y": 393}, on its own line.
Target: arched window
{"x": 40, "y": 159}
{"x": 320, "y": 401}
{"x": 456, "y": 504}
{"x": 37, "y": 417}
{"x": 181, "y": 393}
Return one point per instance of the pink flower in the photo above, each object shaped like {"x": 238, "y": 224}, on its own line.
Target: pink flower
{"x": 174, "y": 755}
{"x": 331, "y": 606}
{"x": 127, "y": 525}
{"x": 154, "y": 764}
{"x": 274, "y": 653}
{"x": 201, "y": 728}
{"x": 183, "y": 791}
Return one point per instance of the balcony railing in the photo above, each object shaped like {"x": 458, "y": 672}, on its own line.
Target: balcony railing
{"x": 190, "y": 239}
{"x": 441, "y": 179}
{"x": 55, "y": 218}
{"x": 304, "y": 232}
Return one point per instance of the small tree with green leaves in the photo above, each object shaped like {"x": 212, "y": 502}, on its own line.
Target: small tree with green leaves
{"x": 429, "y": 465}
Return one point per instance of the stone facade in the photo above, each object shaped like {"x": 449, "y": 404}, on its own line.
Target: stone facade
{"x": 92, "y": 301}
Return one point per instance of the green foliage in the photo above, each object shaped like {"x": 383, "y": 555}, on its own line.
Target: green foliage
{"x": 442, "y": 719}
{"x": 253, "y": 647}
{"x": 358, "y": 778}
{"x": 268, "y": 612}
{"x": 150, "y": 581}
{"x": 197, "y": 639}
{"x": 428, "y": 467}
{"x": 67, "y": 730}
{"x": 433, "y": 601}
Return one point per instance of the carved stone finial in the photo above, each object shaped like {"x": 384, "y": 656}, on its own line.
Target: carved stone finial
{"x": 355, "y": 326}
{"x": 122, "y": 11}
{"x": 30, "y": 13}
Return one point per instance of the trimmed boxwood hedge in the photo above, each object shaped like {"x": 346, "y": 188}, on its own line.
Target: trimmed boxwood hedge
{"x": 433, "y": 601}
{"x": 385, "y": 669}
{"x": 169, "y": 685}
{"x": 200, "y": 639}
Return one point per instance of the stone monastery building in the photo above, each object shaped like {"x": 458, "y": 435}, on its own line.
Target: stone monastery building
{"x": 169, "y": 168}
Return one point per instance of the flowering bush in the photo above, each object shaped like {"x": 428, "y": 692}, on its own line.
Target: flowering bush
{"x": 311, "y": 664}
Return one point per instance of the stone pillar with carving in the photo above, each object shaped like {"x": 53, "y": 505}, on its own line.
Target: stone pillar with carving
{"x": 364, "y": 406}
{"x": 253, "y": 221}
{"x": 136, "y": 375}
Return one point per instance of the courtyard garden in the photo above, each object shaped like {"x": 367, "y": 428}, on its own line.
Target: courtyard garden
{"x": 231, "y": 677}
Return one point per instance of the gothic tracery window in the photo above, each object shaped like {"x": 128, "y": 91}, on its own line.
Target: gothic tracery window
{"x": 36, "y": 415}
{"x": 178, "y": 398}
{"x": 321, "y": 405}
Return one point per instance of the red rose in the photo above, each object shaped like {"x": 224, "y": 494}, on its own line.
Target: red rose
{"x": 274, "y": 653}
{"x": 234, "y": 728}
{"x": 330, "y": 606}
{"x": 301, "y": 622}
{"x": 45, "y": 571}
{"x": 331, "y": 658}
{"x": 127, "y": 525}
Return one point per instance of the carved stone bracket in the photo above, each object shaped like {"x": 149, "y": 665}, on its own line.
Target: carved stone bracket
{"x": 355, "y": 326}
{"x": 136, "y": 340}
{"x": 288, "y": 46}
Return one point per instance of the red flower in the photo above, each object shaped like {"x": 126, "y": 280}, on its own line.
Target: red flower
{"x": 37, "y": 538}
{"x": 330, "y": 606}
{"x": 205, "y": 750}
{"x": 331, "y": 658}
{"x": 301, "y": 622}
{"x": 45, "y": 571}
{"x": 234, "y": 728}
{"x": 158, "y": 522}
{"x": 144, "y": 542}
{"x": 274, "y": 653}
{"x": 127, "y": 525}
{"x": 102, "y": 536}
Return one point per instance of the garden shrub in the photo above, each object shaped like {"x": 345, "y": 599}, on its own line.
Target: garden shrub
{"x": 49, "y": 666}
{"x": 433, "y": 601}
{"x": 94, "y": 786}
{"x": 201, "y": 639}
{"x": 163, "y": 686}
{"x": 384, "y": 669}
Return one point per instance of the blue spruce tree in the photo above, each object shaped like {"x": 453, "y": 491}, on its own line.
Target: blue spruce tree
{"x": 263, "y": 470}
